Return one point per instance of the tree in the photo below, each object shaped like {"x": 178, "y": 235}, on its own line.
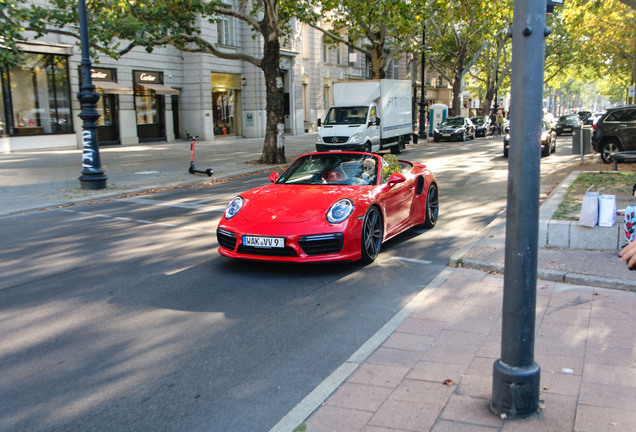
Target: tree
{"x": 456, "y": 30}
{"x": 120, "y": 25}
{"x": 380, "y": 31}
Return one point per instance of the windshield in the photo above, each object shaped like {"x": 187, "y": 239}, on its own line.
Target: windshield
{"x": 478, "y": 120}
{"x": 333, "y": 169}
{"x": 569, "y": 118}
{"x": 454, "y": 121}
{"x": 347, "y": 115}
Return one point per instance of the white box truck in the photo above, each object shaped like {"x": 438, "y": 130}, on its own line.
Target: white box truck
{"x": 368, "y": 116}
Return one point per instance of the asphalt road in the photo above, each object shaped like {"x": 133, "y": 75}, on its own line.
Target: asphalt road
{"x": 120, "y": 315}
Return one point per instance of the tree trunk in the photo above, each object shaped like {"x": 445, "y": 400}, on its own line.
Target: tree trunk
{"x": 274, "y": 145}
{"x": 457, "y": 96}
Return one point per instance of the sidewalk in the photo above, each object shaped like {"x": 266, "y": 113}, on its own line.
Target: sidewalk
{"x": 430, "y": 367}
{"x": 39, "y": 179}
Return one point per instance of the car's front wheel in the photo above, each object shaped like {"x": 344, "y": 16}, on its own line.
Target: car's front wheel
{"x": 432, "y": 206}
{"x": 608, "y": 148}
{"x": 372, "y": 229}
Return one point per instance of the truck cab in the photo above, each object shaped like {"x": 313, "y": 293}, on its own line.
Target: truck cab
{"x": 350, "y": 128}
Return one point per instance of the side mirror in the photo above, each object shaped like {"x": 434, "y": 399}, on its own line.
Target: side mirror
{"x": 377, "y": 121}
{"x": 319, "y": 123}
{"x": 395, "y": 179}
{"x": 273, "y": 177}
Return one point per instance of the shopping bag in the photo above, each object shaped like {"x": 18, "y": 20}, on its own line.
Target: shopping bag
{"x": 589, "y": 208}
{"x": 606, "y": 210}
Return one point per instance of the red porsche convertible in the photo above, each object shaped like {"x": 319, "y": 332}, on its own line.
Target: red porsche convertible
{"x": 329, "y": 206}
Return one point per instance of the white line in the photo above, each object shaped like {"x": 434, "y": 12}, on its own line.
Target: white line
{"x": 412, "y": 260}
{"x": 175, "y": 204}
{"x": 313, "y": 400}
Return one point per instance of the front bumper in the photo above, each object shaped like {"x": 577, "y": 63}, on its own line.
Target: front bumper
{"x": 334, "y": 243}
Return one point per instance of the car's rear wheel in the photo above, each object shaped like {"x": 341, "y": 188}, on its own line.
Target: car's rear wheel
{"x": 608, "y": 148}
{"x": 432, "y": 206}
{"x": 372, "y": 229}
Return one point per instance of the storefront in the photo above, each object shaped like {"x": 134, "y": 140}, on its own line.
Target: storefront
{"x": 105, "y": 82}
{"x": 36, "y": 97}
{"x": 150, "y": 105}
{"x": 226, "y": 103}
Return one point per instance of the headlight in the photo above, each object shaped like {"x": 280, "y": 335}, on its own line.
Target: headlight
{"x": 340, "y": 211}
{"x": 356, "y": 138}
{"x": 233, "y": 207}
{"x": 318, "y": 139}
{"x": 460, "y": 130}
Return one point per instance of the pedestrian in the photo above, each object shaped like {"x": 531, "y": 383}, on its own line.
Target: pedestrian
{"x": 500, "y": 121}
{"x": 629, "y": 223}
{"x": 628, "y": 255}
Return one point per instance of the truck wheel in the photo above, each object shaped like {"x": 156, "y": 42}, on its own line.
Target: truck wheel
{"x": 397, "y": 147}
{"x": 368, "y": 148}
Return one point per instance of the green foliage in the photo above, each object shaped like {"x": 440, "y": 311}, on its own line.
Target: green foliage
{"x": 390, "y": 165}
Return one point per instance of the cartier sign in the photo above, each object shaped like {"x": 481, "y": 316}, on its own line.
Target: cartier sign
{"x": 148, "y": 77}
{"x": 101, "y": 74}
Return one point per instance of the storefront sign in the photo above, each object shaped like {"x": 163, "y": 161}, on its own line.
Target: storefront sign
{"x": 146, "y": 77}
{"x": 102, "y": 74}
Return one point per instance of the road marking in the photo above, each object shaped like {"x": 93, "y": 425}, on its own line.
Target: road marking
{"x": 412, "y": 260}
{"x": 139, "y": 221}
{"x": 175, "y": 204}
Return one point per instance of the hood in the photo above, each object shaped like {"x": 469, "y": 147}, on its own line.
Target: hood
{"x": 340, "y": 130}
{"x": 294, "y": 203}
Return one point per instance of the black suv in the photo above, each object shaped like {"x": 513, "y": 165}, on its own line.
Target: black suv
{"x": 615, "y": 131}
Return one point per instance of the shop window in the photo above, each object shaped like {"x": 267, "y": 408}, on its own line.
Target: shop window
{"x": 40, "y": 95}
{"x": 223, "y": 107}
{"x": 146, "y": 105}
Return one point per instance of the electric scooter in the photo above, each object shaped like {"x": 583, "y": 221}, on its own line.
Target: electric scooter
{"x": 192, "y": 168}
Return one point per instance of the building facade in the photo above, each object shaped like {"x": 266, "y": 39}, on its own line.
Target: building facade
{"x": 169, "y": 94}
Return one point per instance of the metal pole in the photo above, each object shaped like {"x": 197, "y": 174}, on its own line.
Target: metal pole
{"x": 93, "y": 176}
{"x": 423, "y": 104}
{"x": 516, "y": 375}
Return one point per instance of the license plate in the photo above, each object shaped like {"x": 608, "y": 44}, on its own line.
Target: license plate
{"x": 446, "y": 134}
{"x": 264, "y": 242}
{"x": 567, "y": 129}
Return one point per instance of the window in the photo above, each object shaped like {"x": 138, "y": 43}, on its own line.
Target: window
{"x": 225, "y": 29}
{"x": 40, "y": 95}
{"x": 325, "y": 51}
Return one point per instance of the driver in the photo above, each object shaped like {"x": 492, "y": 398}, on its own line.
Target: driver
{"x": 369, "y": 170}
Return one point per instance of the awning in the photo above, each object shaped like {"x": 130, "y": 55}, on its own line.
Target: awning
{"x": 111, "y": 87}
{"x": 161, "y": 89}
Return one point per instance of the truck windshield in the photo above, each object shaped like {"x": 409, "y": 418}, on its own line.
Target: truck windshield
{"x": 347, "y": 115}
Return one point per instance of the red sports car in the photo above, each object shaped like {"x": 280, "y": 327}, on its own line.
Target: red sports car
{"x": 328, "y": 207}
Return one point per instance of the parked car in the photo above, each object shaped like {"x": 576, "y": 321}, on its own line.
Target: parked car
{"x": 567, "y": 123}
{"x": 329, "y": 206}
{"x": 586, "y": 117}
{"x": 615, "y": 131}
{"x": 548, "y": 140}
{"x": 482, "y": 124}
{"x": 454, "y": 128}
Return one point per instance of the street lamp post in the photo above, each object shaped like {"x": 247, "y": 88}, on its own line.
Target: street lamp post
{"x": 516, "y": 376}
{"x": 423, "y": 104}
{"x": 93, "y": 176}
